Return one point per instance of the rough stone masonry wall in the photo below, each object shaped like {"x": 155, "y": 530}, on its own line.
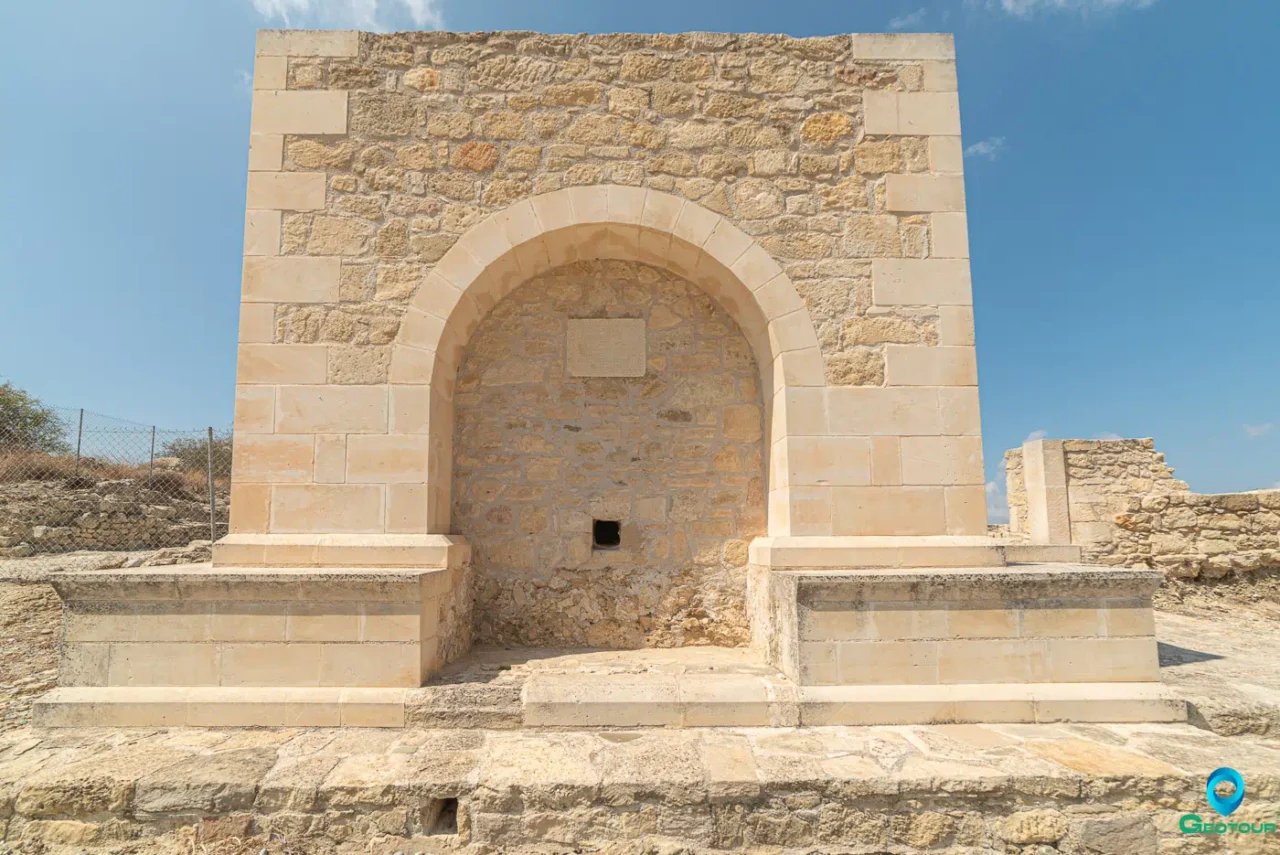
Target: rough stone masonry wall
{"x": 1127, "y": 509}
{"x": 446, "y": 128}
{"x": 674, "y": 455}
{"x": 838, "y": 157}
{"x": 63, "y": 515}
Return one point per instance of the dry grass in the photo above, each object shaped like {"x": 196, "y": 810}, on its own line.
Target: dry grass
{"x": 35, "y": 466}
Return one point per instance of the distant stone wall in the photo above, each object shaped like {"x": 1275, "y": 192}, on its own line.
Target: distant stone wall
{"x": 62, "y": 516}
{"x": 1126, "y": 509}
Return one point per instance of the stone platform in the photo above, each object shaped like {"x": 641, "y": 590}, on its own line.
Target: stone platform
{"x": 1102, "y": 789}
{"x": 559, "y": 689}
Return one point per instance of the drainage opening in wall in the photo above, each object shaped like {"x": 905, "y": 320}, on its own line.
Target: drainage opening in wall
{"x": 606, "y": 534}
{"x": 443, "y": 817}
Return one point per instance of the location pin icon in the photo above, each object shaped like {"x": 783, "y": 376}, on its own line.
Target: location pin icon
{"x": 1225, "y": 805}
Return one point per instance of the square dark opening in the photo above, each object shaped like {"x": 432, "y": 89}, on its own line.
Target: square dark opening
{"x": 606, "y": 534}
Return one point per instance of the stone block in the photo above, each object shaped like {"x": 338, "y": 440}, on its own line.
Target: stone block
{"x": 888, "y": 511}
{"x": 237, "y": 621}
{"x": 921, "y": 282}
{"x": 266, "y": 152}
{"x": 1129, "y": 621}
{"x": 982, "y": 623}
{"x": 270, "y": 72}
{"x": 257, "y": 323}
{"x": 255, "y": 408}
{"x": 909, "y": 365}
{"x": 888, "y": 662}
{"x": 1045, "y": 478}
{"x": 370, "y": 664}
{"x": 299, "y": 112}
{"x": 331, "y": 459}
{"x": 327, "y": 508}
{"x": 387, "y": 459}
{"x": 333, "y": 43}
{"x": 946, "y": 460}
{"x": 1052, "y": 622}
{"x": 960, "y": 415}
{"x": 281, "y": 363}
{"x": 286, "y": 191}
{"x": 950, "y": 235}
{"x": 1011, "y": 660}
{"x": 886, "y": 461}
{"x": 911, "y": 113}
{"x": 799, "y": 412}
{"x": 273, "y": 459}
{"x": 250, "y": 664}
{"x": 323, "y": 622}
{"x": 828, "y": 461}
{"x": 609, "y": 347}
{"x": 966, "y": 510}
{"x": 331, "y": 409}
{"x": 924, "y": 193}
{"x": 940, "y": 76}
{"x": 250, "y": 507}
{"x": 955, "y": 326}
{"x": 932, "y": 46}
{"x": 173, "y": 664}
{"x": 290, "y": 279}
{"x": 262, "y": 233}
{"x": 1102, "y": 660}
{"x": 396, "y": 621}
{"x": 856, "y": 411}
{"x": 946, "y": 155}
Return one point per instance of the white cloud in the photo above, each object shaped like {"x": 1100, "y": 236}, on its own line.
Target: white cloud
{"x": 244, "y": 82}
{"x": 990, "y": 148}
{"x": 1106, "y": 434}
{"x": 1036, "y": 434}
{"x": 1028, "y": 8}
{"x": 908, "y": 20}
{"x": 1255, "y": 431}
{"x": 357, "y": 14}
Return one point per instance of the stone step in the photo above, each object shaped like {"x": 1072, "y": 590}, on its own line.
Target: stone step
{"x": 990, "y": 702}
{"x": 704, "y": 700}
{"x": 465, "y": 705}
{"x": 212, "y": 706}
{"x": 564, "y": 700}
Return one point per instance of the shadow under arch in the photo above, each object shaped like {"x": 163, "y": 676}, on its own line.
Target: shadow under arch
{"x": 603, "y": 222}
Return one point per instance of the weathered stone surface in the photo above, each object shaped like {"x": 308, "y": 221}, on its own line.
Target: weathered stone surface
{"x": 1127, "y": 509}
{"x": 908, "y": 790}
{"x": 688, "y": 496}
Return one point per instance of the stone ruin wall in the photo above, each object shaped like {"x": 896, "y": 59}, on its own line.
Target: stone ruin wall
{"x": 678, "y": 452}
{"x": 55, "y": 516}
{"x": 1128, "y": 510}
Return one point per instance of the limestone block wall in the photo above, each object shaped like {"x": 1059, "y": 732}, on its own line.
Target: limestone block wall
{"x": 400, "y": 185}
{"x": 675, "y": 455}
{"x": 1126, "y": 509}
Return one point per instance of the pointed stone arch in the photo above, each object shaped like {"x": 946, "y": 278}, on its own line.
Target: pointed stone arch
{"x": 589, "y": 223}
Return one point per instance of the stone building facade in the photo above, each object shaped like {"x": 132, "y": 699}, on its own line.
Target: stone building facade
{"x": 619, "y": 340}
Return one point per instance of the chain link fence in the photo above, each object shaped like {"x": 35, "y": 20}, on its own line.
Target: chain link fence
{"x": 92, "y": 490}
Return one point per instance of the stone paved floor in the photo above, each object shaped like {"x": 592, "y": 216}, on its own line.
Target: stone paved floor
{"x": 950, "y": 788}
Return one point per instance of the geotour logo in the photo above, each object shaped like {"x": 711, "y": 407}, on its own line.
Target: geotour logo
{"x": 1225, "y": 805}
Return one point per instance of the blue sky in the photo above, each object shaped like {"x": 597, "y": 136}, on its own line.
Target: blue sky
{"x": 1121, "y": 181}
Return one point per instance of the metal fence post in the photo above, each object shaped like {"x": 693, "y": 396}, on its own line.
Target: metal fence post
{"x": 151, "y": 465}
{"x": 213, "y": 533}
{"x": 79, "y": 436}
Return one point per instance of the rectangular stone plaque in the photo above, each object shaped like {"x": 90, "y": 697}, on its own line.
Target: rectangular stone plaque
{"x": 606, "y": 347}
